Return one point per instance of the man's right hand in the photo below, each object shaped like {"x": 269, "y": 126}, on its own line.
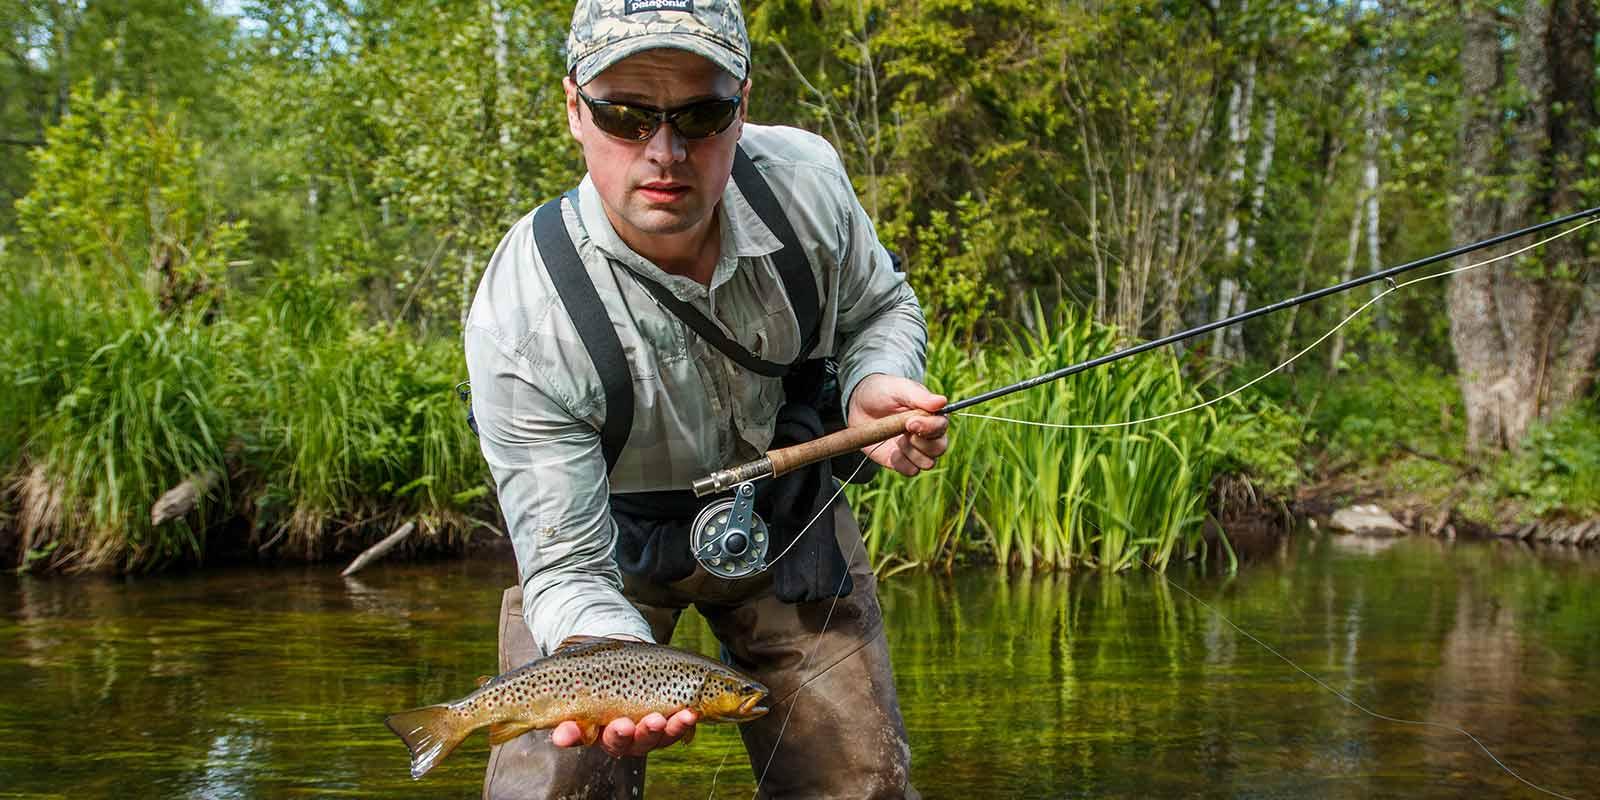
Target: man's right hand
{"x": 623, "y": 737}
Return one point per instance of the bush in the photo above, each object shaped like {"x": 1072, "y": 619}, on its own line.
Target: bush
{"x": 1558, "y": 467}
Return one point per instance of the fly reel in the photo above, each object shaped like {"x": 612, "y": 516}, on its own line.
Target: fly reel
{"x": 728, "y": 538}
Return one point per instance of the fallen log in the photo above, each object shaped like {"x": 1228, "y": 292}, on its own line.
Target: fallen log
{"x": 262, "y": 550}
{"x": 380, "y": 549}
{"x": 181, "y": 499}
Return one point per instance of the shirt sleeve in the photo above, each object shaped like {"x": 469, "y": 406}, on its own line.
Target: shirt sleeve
{"x": 880, "y": 325}
{"x": 551, "y": 480}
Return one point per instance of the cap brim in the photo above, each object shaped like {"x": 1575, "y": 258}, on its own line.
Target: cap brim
{"x": 600, "y": 60}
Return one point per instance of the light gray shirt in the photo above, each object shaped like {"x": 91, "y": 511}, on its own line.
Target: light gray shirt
{"x": 538, "y": 399}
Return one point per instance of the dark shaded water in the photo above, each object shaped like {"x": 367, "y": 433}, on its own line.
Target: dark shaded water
{"x": 273, "y": 683}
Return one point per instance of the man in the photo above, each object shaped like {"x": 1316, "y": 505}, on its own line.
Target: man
{"x": 657, "y": 96}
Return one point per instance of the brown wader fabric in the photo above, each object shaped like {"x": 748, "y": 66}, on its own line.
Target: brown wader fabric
{"x": 833, "y": 698}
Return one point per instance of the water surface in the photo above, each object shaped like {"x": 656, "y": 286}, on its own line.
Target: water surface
{"x": 273, "y": 682}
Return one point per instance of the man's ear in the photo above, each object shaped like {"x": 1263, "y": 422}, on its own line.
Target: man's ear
{"x": 574, "y": 121}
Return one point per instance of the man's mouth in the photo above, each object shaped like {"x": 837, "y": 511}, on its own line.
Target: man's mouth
{"x": 662, "y": 191}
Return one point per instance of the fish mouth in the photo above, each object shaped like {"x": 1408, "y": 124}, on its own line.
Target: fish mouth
{"x": 751, "y": 706}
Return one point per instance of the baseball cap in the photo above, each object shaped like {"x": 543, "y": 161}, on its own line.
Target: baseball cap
{"x": 607, "y": 31}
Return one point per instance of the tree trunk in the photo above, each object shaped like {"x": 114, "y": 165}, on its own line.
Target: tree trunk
{"x": 1525, "y": 337}
{"x": 1371, "y": 186}
{"x": 1366, "y": 204}
{"x": 1336, "y": 350}
{"x": 1230, "y": 289}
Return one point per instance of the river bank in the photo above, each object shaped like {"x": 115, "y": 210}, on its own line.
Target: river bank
{"x": 1382, "y": 501}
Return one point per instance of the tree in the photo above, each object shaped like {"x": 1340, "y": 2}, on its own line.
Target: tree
{"x": 1525, "y": 337}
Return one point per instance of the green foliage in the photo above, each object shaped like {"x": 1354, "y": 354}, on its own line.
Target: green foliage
{"x": 1558, "y": 468}
{"x": 1051, "y": 498}
{"x": 319, "y": 421}
{"x": 131, "y": 377}
{"x": 349, "y": 420}
{"x": 1265, "y": 442}
{"x": 114, "y": 406}
{"x": 1368, "y": 413}
{"x": 121, "y": 210}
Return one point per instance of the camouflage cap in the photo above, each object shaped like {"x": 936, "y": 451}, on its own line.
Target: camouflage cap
{"x": 607, "y": 31}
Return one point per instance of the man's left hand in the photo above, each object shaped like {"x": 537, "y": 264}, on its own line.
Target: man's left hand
{"x": 919, "y": 448}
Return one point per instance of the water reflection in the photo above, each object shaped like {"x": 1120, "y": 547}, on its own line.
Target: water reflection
{"x": 266, "y": 683}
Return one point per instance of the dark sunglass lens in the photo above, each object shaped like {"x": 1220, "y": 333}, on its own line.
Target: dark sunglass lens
{"x": 623, "y": 121}
{"x": 706, "y": 119}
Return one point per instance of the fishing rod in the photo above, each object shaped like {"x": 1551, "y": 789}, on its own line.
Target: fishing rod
{"x": 787, "y": 459}
{"x": 731, "y": 541}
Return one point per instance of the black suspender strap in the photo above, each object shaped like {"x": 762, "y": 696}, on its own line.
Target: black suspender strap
{"x": 794, "y": 269}
{"x": 793, "y": 265}
{"x": 589, "y": 315}
{"x": 709, "y": 331}
{"x": 583, "y": 304}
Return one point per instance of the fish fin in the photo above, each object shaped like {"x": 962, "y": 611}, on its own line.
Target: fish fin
{"x": 581, "y": 641}
{"x": 483, "y": 680}
{"x": 430, "y": 733}
{"x": 591, "y": 732}
{"x": 688, "y": 736}
{"x": 502, "y": 732}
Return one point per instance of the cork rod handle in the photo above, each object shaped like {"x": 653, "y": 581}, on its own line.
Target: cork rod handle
{"x": 837, "y": 444}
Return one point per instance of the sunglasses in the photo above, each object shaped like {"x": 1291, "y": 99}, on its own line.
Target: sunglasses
{"x": 637, "y": 123}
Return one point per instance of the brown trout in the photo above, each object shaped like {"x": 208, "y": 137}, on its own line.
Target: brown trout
{"x": 589, "y": 680}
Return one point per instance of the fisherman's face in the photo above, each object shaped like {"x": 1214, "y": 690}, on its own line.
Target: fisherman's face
{"x": 665, "y": 185}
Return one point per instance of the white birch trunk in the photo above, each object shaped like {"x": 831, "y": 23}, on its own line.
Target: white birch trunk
{"x": 1239, "y": 103}
{"x": 1352, "y": 247}
{"x": 497, "y": 16}
{"x": 1371, "y": 186}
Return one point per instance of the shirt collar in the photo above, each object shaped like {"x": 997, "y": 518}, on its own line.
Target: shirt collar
{"x": 744, "y": 235}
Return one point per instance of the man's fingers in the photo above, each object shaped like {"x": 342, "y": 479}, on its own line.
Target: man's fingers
{"x": 566, "y": 734}
{"x": 927, "y": 401}
{"x": 618, "y": 737}
{"x": 646, "y": 738}
{"x": 681, "y": 723}
{"x": 932, "y": 444}
{"x": 624, "y": 737}
{"x": 930, "y": 427}
{"x": 912, "y": 454}
{"x": 648, "y": 735}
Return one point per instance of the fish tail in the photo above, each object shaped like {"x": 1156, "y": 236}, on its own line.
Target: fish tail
{"x": 430, "y": 733}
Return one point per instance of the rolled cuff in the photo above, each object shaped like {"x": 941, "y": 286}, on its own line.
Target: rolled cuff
{"x": 580, "y": 608}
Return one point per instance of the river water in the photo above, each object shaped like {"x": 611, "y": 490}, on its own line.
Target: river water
{"x": 238, "y": 682}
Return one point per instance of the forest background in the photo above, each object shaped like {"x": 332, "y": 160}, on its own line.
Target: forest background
{"x": 238, "y": 240}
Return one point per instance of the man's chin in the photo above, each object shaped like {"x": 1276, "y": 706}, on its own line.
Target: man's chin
{"x": 662, "y": 221}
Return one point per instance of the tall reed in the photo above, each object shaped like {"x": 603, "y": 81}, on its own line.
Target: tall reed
{"x": 1053, "y": 498}
{"x": 116, "y": 405}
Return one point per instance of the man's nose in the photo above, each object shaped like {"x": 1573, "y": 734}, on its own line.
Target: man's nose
{"x": 665, "y": 146}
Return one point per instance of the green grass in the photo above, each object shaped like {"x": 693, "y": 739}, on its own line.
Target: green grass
{"x": 1055, "y": 498}
{"x": 327, "y": 430}
{"x": 331, "y": 431}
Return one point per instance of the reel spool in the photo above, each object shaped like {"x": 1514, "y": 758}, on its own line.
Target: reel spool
{"x": 728, "y": 538}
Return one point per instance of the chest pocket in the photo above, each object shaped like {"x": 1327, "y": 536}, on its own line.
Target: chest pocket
{"x": 662, "y": 337}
